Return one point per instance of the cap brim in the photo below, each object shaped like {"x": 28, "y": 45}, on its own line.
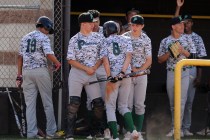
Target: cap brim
{"x": 95, "y": 19}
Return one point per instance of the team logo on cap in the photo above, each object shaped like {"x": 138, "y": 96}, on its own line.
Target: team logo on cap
{"x": 91, "y": 16}
{"x": 135, "y": 19}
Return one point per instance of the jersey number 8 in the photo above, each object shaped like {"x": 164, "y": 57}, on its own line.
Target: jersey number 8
{"x": 116, "y": 48}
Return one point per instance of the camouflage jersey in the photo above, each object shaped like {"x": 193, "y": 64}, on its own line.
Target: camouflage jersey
{"x": 142, "y": 48}
{"x": 199, "y": 45}
{"x": 85, "y": 49}
{"x": 185, "y": 42}
{"x": 33, "y": 48}
{"x": 100, "y": 31}
{"x": 115, "y": 48}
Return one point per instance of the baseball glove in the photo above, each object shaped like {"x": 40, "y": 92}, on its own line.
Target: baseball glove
{"x": 174, "y": 49}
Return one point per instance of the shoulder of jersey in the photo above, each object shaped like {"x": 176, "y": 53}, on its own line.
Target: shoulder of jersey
{"x": 31, "y": 33}
{"x": 100, "y": 30}
{"x": 97, "y": 34}
{"x": 126, "y": 37}
{"x": 145, "y": 36}
{"x": 186, "y": 36}
{"x": 166, "y": 39}
{"x": 195, "y": 34}
{"x": 36, "y": 34}
{"x": 74, "y": 38}
{"x": 126, "y": 34}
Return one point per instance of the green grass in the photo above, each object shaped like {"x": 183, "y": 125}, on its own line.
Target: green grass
{"x": 150, "y": 137}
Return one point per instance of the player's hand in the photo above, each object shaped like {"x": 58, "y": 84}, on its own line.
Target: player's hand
{"x": 179, "y": 3}
{"x": 134, "y": 69}
{"x": 90, "y": 70}
{"x": 181, "y": 49}
{"x": 56, "y": 66}
{"x": 197, "y": 82}
{"x": 112, "y": 79}
{"x": 94, "y": 68}
{"x": 19, "y": 80}
{"x": 120, "y": 75}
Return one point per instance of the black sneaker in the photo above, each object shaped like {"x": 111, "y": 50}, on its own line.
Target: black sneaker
{"x": 98, "y": 136}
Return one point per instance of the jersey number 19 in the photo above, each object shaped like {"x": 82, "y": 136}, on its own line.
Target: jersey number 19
{"x": 31, "y": 46}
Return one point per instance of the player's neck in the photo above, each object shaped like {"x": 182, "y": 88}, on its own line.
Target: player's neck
{"x": 188, "y": 32}
{"x": 96, "y": 29}
{"x": 84, "y": 32}
{"x": 136, "y": 34}
{"x": 175, "y": 35}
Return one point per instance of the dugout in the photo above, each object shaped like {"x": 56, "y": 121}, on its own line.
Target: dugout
{"x": 157, "y": 14}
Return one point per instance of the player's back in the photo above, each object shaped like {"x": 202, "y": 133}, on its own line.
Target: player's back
{"x": 117, "y": 46}
{"x": 33, "y": 48}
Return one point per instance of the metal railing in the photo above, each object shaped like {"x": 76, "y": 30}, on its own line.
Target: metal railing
{"x": 177, "y": 90}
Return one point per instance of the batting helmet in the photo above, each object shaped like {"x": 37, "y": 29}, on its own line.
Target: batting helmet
{"x": 46, "y": 23}
{"x": 109, "y": 27}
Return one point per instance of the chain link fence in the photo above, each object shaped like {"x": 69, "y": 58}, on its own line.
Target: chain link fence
{"x": 18, "y": 17}
{"x": 58, "y": 40}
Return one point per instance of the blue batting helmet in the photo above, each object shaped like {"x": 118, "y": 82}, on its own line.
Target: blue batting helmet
{"x": 46, "y": 23}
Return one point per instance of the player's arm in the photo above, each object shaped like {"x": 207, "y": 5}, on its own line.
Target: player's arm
{"x": 76, "y": 64}
{"x": 178, "y": 7}
{"x": 106, "y": 66}
{"x": 98, "y": 63}
{"x": 127, "y": 62}
{"x": 148, "y": 56}
{"x": 184, "y": 52}
{"x": 197, "y": 80}
{"x": 53, "y": 59}
{"x": 20, "y": 65}
{"x": 146, "y": 65}
{"x": 164, "y": 57}
{"x": 19, "y": 78}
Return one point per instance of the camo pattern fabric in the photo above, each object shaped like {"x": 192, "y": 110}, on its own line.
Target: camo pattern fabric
{"x": 142, "y": 48}
{"x": 115, "y": 48}
{"x": 185, "y": 41}
{"x": 34, "y": 47}
{"x": 199, "y": 45}
{"x": 85, "y": 49}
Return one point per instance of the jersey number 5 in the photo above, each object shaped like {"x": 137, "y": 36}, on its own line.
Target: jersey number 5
{"x": 116, "y": 48}
{"x": 31, "y": 46}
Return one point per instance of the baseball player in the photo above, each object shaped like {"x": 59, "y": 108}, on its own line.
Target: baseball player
{"x": 206, "y": 130}
{"x": 83, "y": 56}
{"x": 195, "y": 72}
{"x": 100, "y": 74}
{"x": 34, "y": 51}
{"x": 96, "y": 16}
{"x": 116, "y": 54}
{"x": 128, "y": 15}
{"x": 141, "y": 60}
{"x": 185, "y": 48}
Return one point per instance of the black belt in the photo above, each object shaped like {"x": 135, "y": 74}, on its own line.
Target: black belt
{"x": 171, "y": 69}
